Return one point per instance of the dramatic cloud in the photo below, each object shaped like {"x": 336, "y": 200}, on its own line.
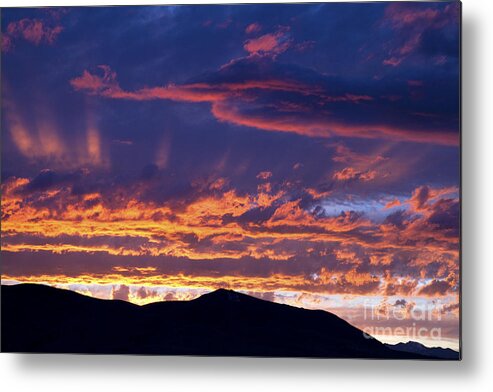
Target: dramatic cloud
{"x": 414, "y": 25}
{"x": 227, "y": 225}
{"x": 253, "y": 28}
{"x": 252, "y": 100}
{"x": 268, "y": 44}
{"x": 350, "y": 173}
{"x": 36, "y": 31}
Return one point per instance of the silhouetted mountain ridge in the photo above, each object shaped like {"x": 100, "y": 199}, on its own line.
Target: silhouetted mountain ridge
{"x": 418, "y": 348}
{"x": 37, "y": 318}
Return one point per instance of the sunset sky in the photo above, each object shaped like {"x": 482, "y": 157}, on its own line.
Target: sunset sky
{"x": 304, "y": 154}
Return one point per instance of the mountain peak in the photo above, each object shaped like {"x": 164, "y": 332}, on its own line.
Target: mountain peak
{"x": 224, "y": 295}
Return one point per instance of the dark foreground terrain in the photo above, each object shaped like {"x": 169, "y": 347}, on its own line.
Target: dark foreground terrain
{"x": 418, "y": 348}
{"x": 37, "y": 318}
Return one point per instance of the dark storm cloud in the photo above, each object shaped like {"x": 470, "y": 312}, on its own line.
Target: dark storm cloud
{"x": 400, "y": 303}
{"x": 260, "y": 93}
{"x": 436, "y": 287}
{"x": 445, "y": 216}
{"x": 425, "y": 29}
{"x": 397, "y": 218}
{"x": 47, "y": 179}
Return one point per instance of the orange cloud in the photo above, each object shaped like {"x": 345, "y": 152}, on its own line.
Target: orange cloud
{"x": 326, "y": 128}
{"x": 413, "y": 23}
{"x": 264, "y": 175}
{"x": 424, "y": 195}
{"x": 226, "y": 99}
{"x": 269, "y": 44}
{"x": 34, "y": 30}
{"x": 317, "y": 194}
{"x": 253, "y": 28}
{"x": 203, "y": 217}
{"x": 350, "y": 173}
{"x": 214, "y": 227}
{"x": 392, "y": 203}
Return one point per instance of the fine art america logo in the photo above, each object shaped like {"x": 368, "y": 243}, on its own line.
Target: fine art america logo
{"x": 410, "y": 322}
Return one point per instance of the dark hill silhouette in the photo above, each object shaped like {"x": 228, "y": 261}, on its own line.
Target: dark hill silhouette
{"x": 37, "y": 318}
{"x": 418, "y": 348}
